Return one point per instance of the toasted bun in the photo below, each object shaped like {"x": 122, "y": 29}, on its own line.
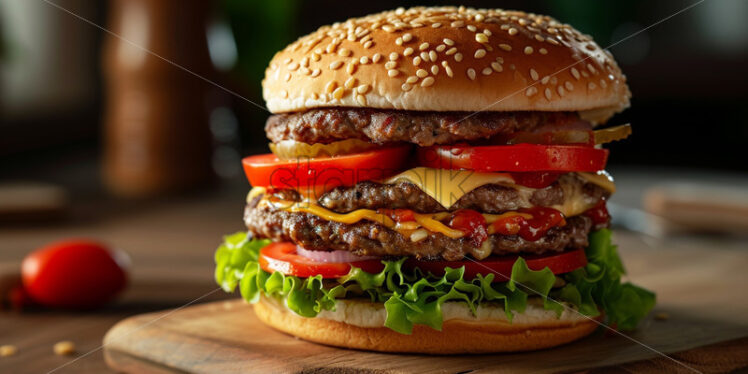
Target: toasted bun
{"x": 457, "y": 336}
{"x": 447, "y": 59}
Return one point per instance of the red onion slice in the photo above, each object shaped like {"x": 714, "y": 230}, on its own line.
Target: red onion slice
{"x": 331, "y": 257}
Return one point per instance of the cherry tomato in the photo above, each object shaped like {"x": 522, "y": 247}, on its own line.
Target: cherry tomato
{"x": 501, "y": 266}
{"x": 282, "y": 257}
{"x": 78, "y": 274}
{"x": 514, "y": 158}
{"x": 267, "y": 170}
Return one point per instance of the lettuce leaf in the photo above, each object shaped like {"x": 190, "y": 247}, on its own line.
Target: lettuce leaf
{"x": 412, "y": 297}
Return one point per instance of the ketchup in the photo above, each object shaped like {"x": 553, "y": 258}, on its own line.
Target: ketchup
{"x": 472, "y": 223}
{"x": 399, "y": 215}
{"x": 599, "y": 214}
{"x": 535, "y": 179}
{"x": 532, "y": 229}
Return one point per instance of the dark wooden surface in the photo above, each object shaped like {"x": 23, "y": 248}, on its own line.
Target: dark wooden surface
{"x": 171, "y": 242}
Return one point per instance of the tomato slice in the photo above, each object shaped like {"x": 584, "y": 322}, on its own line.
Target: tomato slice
{"x": 501, "y": 266}
{"x": 514, "y": 158}
{"x": 282, "y": 257}
{"x": 267, "y": 170}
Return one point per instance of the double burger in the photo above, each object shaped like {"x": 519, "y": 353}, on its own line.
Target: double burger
{"x": 437, "y": 185}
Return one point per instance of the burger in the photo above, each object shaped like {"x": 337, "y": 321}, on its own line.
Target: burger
{"x": 436, "y": 185}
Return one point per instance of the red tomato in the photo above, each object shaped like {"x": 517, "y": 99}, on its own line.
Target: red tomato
{"x": 77, "y": 274}
{"x": 269, "y": 171}
{"x": 282, "y": 257}
{"x": 535, "y": 180}
{"x": 514, "y": 158}
{"x": 501, "y": 266}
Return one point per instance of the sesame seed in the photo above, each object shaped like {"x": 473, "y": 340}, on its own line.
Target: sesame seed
{"x": 457, "y": 24}
{"x": 406, "y": 87}
{"x": 471, "y": 74}
{"x": 368, "y": 44}
{"x": 545, "y": 80}
{"x": 432, "y": 56}
{"x": 315, "y": 96}
{"x": 436, "y": 25}
{"x": 408, "y": 51}
{"x": 284, "y": 94}
{"x": 543, "y": 51}
{"x": 423, "y": 46}
{"x": 392, "y": 73}
{"x": 407, "y": 37}
{"x": 435, "y": 69}
{"x": 425, "y": 56}
{"x": 569, "y": 86}
{"x": 441, "y": 47}
{"x": 394, "y": 56}
{"x": 364, "y": 60}
{"x": 330, "y": 86}
{"x": 399, "y": 41}
{"x": 361, "y": 100}
{"x": 513, "y": 31}
{"x": 316, "y": 72}
{"x": 451, "y": 51}
{"x": 399, "y": 11}
{"x": 548, "y": 93}
{"x": 481, "y": 38}
{"x": 416, "y": 60}
{"x": 534, "y": 74}
{"x": 487, "y": 71}
{"x": 603, "y": 84}
{"x": 528, "y": 50}
{"x": 428, "y": 81}
{"x": 531, "y": 91}
{"x": 552, "y": 41}
{"x": 421, "y": 73}
{"x": 539, "y": 38}
{"x": 349, "y": 83}
{"x": 480, "y": 53}
{"x": 560, "y": 90}
{"x": 64, "y": 348}
{"x": 389, "y": 28}
{"x": 338, "y": 93}
{"x": 293, "y": 66}
{"x": 591, "y": 86}
{"x": 504, "y": 27}
{"x": 331, "y": 48}
{"x": 585, "y": 74}
{"x": 575, "y": 73}
{"x": 497, "y": 67}
{"x": 479, "y": 17}
{"x": 458, "y": 57}
{"x": 316, "y": 57}
{"x": 551, "y": 30}
{"x": 487, "y": 32}
{"x": 390, "y": 65}
{"x": 412, "y": 79}
{"x": 287, "y": 61}
{"x": 591, "y": 69}
{"x": 305, "y": 71}
{"x": 362, "y": 89}
{"x": 376, "y": 58}
{"x": 287, "y": 77}
{"x": 449, "y": 71}
{"x": 449, "y": 42}
{"x": 522, "y": 21}
{"x": 472, "y": 28}
{"x": 505, "y": 47}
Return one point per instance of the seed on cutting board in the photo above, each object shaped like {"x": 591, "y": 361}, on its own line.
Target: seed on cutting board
{"x": 8, "y": 350}
{"x": 662, "y": 316}
{"x": 64, "y": 348}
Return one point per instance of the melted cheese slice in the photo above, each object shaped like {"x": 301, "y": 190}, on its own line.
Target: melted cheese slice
{"x": 447, "y": 186}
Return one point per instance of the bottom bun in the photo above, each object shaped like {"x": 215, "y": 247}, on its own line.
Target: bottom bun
{"x": 457, "y": 336}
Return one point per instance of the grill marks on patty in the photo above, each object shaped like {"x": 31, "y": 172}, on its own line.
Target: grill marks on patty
{"x": 422, "y": 128}
{"x": 369, "y": 238}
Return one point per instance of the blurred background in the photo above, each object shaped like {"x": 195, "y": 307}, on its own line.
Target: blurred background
{"x": 137, "y": 141}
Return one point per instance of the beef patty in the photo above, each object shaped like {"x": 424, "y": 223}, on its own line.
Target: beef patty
{"x": 381, "y": 126}
{"x": 368, "y": 238}
{"x": 490, "y": 198}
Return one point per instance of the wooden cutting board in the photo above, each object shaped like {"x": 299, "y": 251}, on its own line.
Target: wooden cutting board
{"x": 701, "y": 290}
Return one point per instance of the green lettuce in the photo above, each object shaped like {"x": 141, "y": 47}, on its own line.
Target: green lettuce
{"x": 411, "y": 297}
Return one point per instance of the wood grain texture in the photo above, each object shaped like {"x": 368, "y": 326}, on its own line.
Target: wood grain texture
{"x": 706, "y": 306}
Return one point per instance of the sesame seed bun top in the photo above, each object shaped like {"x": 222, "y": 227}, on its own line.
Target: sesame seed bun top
{"x": 447, "y": 59}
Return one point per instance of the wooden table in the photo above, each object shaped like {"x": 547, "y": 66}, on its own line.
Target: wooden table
{"x": 171, "y": 243}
